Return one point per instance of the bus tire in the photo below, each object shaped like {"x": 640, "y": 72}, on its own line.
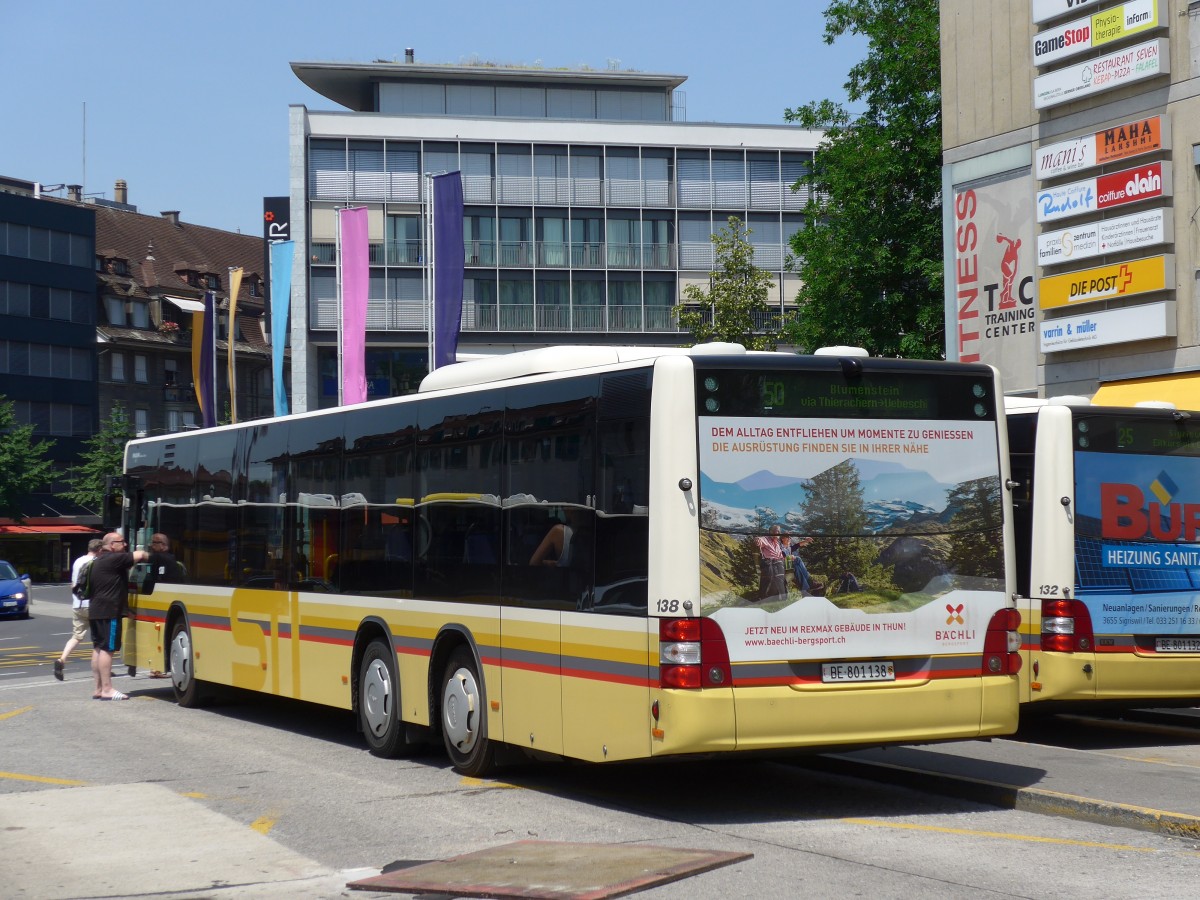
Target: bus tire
{"x": 464, "y": 716}
{"x": 183, "y": 670}
{"x": 379, "y": 713}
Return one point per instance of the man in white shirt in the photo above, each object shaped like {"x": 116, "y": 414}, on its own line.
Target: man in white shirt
{"x": 79, "y": 606}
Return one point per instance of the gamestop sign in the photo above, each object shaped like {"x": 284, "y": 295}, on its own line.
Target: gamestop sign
{"x": 1146, "y": 182}
{"x": 1080, "y": 35}
{"x": 1103, "y": 73}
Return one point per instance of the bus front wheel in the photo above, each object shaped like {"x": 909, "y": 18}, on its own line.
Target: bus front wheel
{"x": 464, "y": 718}
{"x": 183, "y": 673}
{"x": 379, "y": 702}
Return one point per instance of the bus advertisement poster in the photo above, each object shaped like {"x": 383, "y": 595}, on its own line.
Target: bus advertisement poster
{"x": 826, "y": 537}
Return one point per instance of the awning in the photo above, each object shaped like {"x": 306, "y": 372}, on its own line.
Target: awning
{"x": 46, "y": 529}
{"x": 192, "y": 306}
{"x": 1183, "y": 390}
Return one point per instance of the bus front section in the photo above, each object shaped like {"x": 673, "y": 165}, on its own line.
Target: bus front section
{"x": 853, "y": 562}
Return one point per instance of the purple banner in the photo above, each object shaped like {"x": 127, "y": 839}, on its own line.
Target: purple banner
{"x": 355, "y": 278}
{"x": 206, "y": 391}
{"x": 448, "y": 262}
{"x": 281, "y": 301}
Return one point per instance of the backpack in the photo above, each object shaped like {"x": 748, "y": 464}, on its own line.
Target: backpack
{"x": 83, "y": 585}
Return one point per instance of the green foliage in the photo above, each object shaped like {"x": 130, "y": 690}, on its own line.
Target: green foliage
{"x": 104, "y": 456}
{"x": 870, "y": 254}
{"x": 833, "y": 509}
{"x": 736, "y": 298}
{"x": 976, "y": 542}
{"x": 23, "y": 464}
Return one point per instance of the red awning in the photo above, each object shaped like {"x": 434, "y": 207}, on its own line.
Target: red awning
{"x": 46, "y": 529}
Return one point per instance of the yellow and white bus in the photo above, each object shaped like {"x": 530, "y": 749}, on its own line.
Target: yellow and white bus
{"x": 1107, "y": 517}
{"x": 559, "y": 551}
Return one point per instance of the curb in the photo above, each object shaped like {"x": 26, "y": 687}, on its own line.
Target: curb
{"x": 1008, "y": 796}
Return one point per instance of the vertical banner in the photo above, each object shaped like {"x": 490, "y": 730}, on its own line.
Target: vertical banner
{"x": 235, "y": 285}
{"x": 993, "y": 309}
{"x": 448, "y": 263}
{"x": 281, "y": 300}
{"x": 206, "y": 389}
{"x": 199, "y": 329}
{"x": 353, "y": 257}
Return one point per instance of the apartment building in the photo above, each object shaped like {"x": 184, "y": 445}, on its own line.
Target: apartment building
{"x": 589, "y": 206}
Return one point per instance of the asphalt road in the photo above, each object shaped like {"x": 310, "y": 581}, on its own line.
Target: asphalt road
{"x": 252, "y": 797}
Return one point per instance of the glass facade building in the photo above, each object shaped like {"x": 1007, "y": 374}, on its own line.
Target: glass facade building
{"x": 587, "y": 208}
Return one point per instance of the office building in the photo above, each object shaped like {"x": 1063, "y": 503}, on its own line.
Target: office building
{"x": 588, "y": 207}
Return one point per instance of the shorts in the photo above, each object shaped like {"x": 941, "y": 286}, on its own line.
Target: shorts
{"x": 79, "y": 623}
{"x": 106, "y": 634}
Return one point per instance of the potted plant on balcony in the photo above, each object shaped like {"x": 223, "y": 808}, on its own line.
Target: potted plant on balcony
{"x": 169, "y": 328}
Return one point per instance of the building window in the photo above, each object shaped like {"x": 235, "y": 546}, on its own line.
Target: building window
{"x": 140, "y": 369}
{"x": 140, "y": 313}
{"x": 170, "y": 373}
{"x": 117, "y": 367}
{"x": 211, "y": 281}
{"x": 115, "y": 307}
{"x": 141, "y": 422}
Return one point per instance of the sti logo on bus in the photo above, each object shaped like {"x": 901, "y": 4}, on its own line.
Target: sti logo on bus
{"x": 1123, "y": 517}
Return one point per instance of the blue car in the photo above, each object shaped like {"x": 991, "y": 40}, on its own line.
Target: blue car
{"x": 14, "y": 592}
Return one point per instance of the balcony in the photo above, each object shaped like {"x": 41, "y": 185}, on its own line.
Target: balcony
{"x": 525, "y": 255}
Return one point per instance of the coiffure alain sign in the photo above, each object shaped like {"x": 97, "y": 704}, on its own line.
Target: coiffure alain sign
{"x": 1107, "y": 27}
{"x": 1115, "y": 189}
{"x": 1117, "y": 69}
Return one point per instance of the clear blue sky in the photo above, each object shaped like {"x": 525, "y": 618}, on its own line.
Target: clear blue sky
{"x": 188, "y": 102}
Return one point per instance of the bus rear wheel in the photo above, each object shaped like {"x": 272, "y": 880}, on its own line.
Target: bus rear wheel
{"x": 464, "y": 718}
{"x": 379, "y": 702}
{"x": 183, "y": 673}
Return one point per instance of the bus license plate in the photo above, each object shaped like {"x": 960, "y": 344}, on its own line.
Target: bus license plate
{"x": 837, "y": 673}
{"x": 1177, "y": 645}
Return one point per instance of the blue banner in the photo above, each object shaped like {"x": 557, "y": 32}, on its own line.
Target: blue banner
{"x": 448, "y": 262}
{"x": 281, "y": 301}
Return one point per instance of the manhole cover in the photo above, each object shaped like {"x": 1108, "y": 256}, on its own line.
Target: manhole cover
{"x": 550, "y": 869}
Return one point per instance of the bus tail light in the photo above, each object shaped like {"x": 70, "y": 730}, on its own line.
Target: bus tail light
{"x": 1002, "y": 644}
{"x": 692, "y": 654}
{"x": 1066, "y": 626}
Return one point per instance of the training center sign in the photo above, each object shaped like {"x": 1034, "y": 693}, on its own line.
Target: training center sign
{"x": 993, "y": 314}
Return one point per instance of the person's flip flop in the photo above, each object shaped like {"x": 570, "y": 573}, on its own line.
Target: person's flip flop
{"x": 117, "y": 695}
{"x": 58, "y": 669}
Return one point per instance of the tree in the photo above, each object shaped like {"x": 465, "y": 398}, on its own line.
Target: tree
{"x": 737, "y": 295}
{"x": 104, "y": 456}
{"x": 870, "y": 254}
{"x": 834, "y": 515}
{"x": 23, "y": 464}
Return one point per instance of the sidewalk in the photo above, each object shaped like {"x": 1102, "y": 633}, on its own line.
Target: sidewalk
{"x": 1160, "y": 794}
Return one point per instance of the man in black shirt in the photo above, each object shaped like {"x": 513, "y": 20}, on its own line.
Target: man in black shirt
{"x": 109, "y": 576}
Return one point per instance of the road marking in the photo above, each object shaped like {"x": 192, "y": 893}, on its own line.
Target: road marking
{"x": 15, "y": 712}
{"x": 468, "y": 781}
{"x": 1030, "y": 838}
{"x": 41, "y": 779}
{"x": 263, "y": 824}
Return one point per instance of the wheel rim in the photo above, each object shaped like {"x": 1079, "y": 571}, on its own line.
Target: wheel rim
{"x": 181, "y": 660}
{"x": 460, "y": 710}
{"x": 377, "y": 705}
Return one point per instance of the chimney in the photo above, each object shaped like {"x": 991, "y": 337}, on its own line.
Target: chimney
{"x": 121, "y": 191}
{"x": 75, "y": 192}
{"x": 409, "y": 54}
{"x": 171, "y": 215}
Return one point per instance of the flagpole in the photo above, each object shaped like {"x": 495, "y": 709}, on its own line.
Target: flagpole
{"x": 341, "y": 375}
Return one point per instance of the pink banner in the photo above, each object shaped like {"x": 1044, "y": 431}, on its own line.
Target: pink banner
{"x": 355, "y": 277}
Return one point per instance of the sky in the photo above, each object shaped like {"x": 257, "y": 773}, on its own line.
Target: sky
{"x": 188, "y": 103}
